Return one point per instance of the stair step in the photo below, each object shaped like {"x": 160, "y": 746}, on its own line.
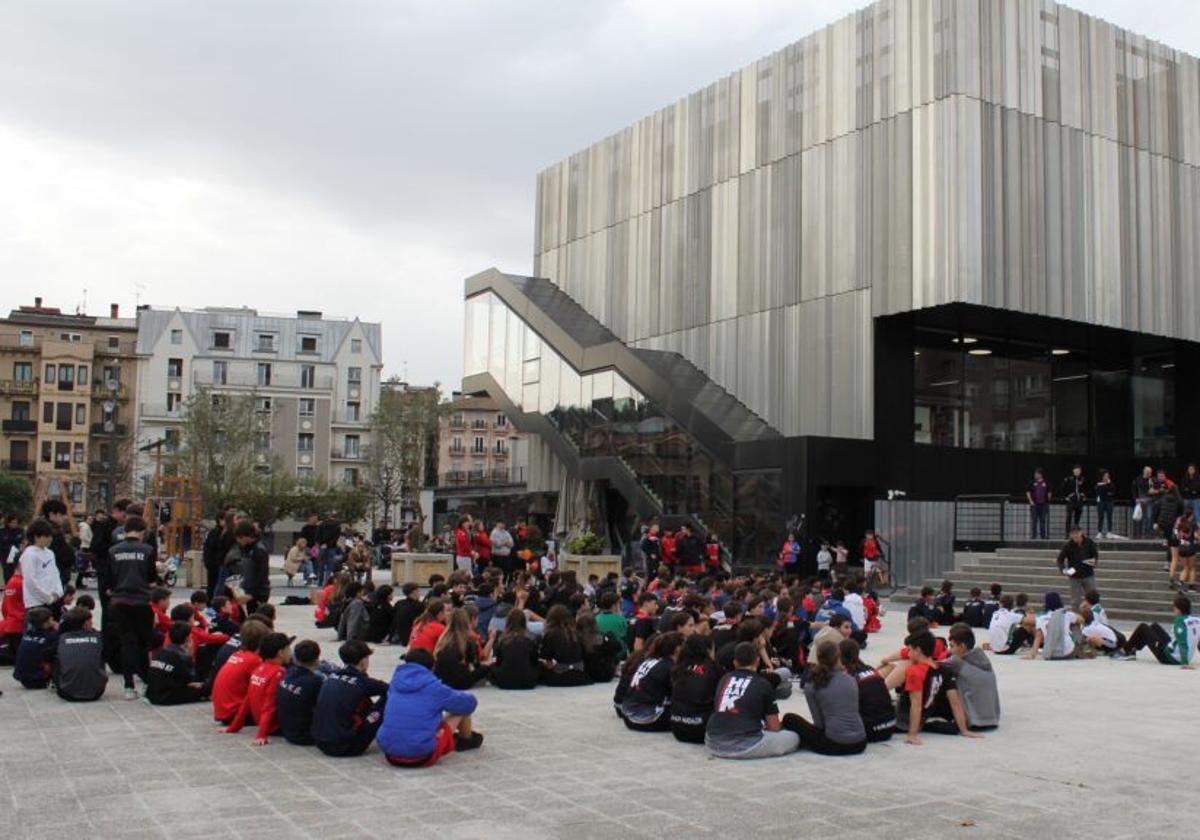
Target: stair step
{"x": 1045, "y": 563}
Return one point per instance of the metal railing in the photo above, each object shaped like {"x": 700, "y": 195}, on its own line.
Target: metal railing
{"x": 244, "y": 379}
{"x": 987, "y": 521}
{"x": 19, "y": 387}
{"x": 20, "y": 341}
{"x": 117, "y": 429}
{"x": 159, "y": 410}
{"x": 17, "y": 465}
{"x": 101, "y": 390}
{"x": 20, "y": 427}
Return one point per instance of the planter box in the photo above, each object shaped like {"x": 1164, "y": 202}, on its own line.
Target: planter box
{"x": 416, "y": 568}
{"x": 192, "y": 571}
{"x": 589, "y": 564}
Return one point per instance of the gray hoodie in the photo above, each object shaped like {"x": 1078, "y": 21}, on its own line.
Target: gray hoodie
{"x": 977, "y": 687}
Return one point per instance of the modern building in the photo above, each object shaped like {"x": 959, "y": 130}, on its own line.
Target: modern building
{"x": 69, "y": 384}
{"x": 482, "y": 464}
{"x": 316, "y": 379}
{"x": 925, "y": 249}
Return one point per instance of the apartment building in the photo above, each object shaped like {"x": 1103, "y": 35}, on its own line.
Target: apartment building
{"x": 477, "y": 446}
{"x": 68, "y": 383}
{"x": 316, "y": 378}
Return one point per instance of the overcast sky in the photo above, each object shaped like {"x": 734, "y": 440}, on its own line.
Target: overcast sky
{"x": 357, "y": 157}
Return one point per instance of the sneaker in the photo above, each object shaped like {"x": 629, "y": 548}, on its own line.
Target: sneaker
{"x": 1099, "y": 535}
{"x": 473, "y": 742}
{"x": 131, "y": 694}
{"x": 1122, "y": 656}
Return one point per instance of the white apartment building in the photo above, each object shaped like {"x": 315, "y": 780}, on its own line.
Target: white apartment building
{"x": 317, "y": 378}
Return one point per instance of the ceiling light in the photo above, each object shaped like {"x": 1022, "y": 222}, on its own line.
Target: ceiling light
{"x": 964, "y": 340}
{"x": 1060, "y": 351}
{"x": 980, "y": 351}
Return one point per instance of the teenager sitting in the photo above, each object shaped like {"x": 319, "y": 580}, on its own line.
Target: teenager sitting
{"x": 646, "y": 698}
{"x": 832, "y": 694}
{"x": 346, "y": 717}
{"x": 516, "y": 666}
{"x": 424, "y": 719}
{"x": 259, "y": 705}
{"x": 296, "y": 698}
{"x": 458, "y": 660}
{"x": 356, "y": 614}
{"x": 1056, "y": 633}
{"x": 1175, "y": 648}
{"x": 79, "y": 673}
{"x": 1000, "y": 629}
{"x": 875, "y": 705}
{"x": 930, "y": 700}
{"x": 172, "y": 679}
{"x": 601, "y": 651}
{"x": 609, "y": 619}
{"x": 561, "y": 651}
{"x": 745, "y": 722}
{"x": 427, "y": 629}
{"x": 232, "y": 679}
{"x": 38, "y": 647}
{"x": 974, "y": 677}
{"x": 406, "y": 611}
{"x": 694, "y": 681}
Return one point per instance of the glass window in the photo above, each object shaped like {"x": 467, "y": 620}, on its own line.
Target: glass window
{"x": 513, "y": 363}
{"x": 308, "y": 376}
{"x": 80, "y": 414}
{"x": 356, "y": 345}
{"x": 262, "y": 405}
{"x": 937, "y": 393}
{"x": 1111, "y": 398}
{"x": 1154, "y": 405}
{"x": 264, "y": 342}
{"x": 1032, "y": 414}
{"x": 177, "y": 336}
{"x": 352, "y": 446}
{"x": 548, "y": 387}
{"x": 47, "y": 451}
{"x": 304, "y": 442}
{"x": 1070, "y": 391}
{"x": 353, "y": 411}
{"x": 475, "y": 345}
{"x": 354, "y": 375}
{"x": 77, "y": 453}
{"x": 497, "y": 331}
{"x": 985, "y": 400}
{"x": 175, "y": 368}
{"x": 66, "y": 376}
{"x": 23, "y": 371}
{"x": 264, "y": 373}
{"x": 62, "y": 420}
{"x": 308, "y": 407}
{"x": 174, "y": 402}
{"x": 220, "y": 371}
{"x": 47, "y": 412}
{"x": 62, "y": 456}
{"x": 51, "y": 374}
{"x": 82, "y": 377}
{"x": 308, "y": 344}
{"x": 20, "y": 411}
{"x": 222, "y": 340}
{"x": 304, "y": 473}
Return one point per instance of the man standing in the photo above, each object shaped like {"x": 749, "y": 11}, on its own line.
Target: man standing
{"x": 464, "y": 553}
{"x": 1074, "y": 492}
{"x": 55, "y": 512}
{"x": 1143, "y": 521}
{"x": 11, "y": 536}
{"x": 502, "y": 546}
{"x": 328, "y": 533}
{"x": 256, "y": 565}
{"x": 1038, "y": 494}
{"x": 133, "y": 565}
{"x": 1077, "y": 560}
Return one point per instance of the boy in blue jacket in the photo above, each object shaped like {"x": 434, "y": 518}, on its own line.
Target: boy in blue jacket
{"x": 425, "y": 719}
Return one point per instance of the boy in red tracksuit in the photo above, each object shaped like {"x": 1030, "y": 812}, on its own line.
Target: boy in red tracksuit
{"x": 205, "y": 644}
{"x": 233, "y": 680}
{"x": 13, "y": 623}
{"x": 259, "y": 704}
{"x": 160, "y": 602}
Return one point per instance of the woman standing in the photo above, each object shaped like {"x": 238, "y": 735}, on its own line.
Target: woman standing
{"x": 481, "y": 541}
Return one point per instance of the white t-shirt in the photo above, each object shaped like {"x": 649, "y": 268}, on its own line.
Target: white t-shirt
{"x": 1001, "y": 625}
{"x": 1099, "y": 628}
{"x": 1068, "y": 618}
{"x": 824, "y": 560}
{"x": 853, "y": 603}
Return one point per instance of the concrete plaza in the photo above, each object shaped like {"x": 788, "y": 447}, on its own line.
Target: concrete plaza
{"x": 1085, "y": 749}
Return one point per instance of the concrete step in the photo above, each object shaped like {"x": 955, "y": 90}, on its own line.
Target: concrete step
{"x": 1033, "y": 563}
{"x": 966, "y": 578}
{"x": 1103, "y": 545}
{"x": 1117, "y": 607}
{"x": 1156, "y": 554}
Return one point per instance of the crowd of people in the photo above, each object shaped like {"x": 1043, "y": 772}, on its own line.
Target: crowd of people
{"x": 703, "y": 657}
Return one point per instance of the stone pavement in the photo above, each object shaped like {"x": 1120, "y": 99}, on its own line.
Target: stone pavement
{"x": 1086, "y": 749}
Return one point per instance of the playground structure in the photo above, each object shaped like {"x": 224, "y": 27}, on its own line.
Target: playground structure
{"x": 174, "y": 505}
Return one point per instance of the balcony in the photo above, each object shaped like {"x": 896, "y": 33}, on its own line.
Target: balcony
{"x": 159, "y": 411}
{"x": 17, "y": 341}
{"x": 19, "y": 427}
{"x": 499, "y": 476}
{"x": 457, "y": 450}
{"x": 453, "y": 478}
{"x": 457, "y": 423}
{"x": 100, "y": 390}
{"x": 123, "y": 347}
{"x": 342, "y": 455}
{"x": 100, "y": 467}
{"x": 479, "y": 424}
{"x": 249, "y": 379}
{"x": 19, "y": 387}
{"x": 500, "y": 454}
{"x": 117, "y": 429}
{"x": 17, "y": 466}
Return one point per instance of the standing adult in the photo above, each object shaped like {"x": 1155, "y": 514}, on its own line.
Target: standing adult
{"x": 256, "y": 565}
{"x": 328, "y": 533}
{"x": 1170, "y": 507}
{"x": 652, "y": 550}
{"x": 1104, "y": 505}
{"x": 689, "y": 550}
{"x": 1140, "y": 491}
{"x": 1038, "y": 495}
{"x": 502, "y": 547}
{"x": 481, "y": 542}
{"x": 217, "y": 543}
{"x": 1074, "y": 491}
{"x": 11, "y": 537}
{"x": 54, "y": 511}
{"x": 1189, "y": 488}
{"x": 464, "y": 552}
{"x": 1077, "y": 560}
{"x": 85, "y": 547}
{"x": 133, "y": 565}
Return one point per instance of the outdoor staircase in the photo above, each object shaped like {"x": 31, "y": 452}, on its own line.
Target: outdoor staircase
{"x": 1129, "y": 576}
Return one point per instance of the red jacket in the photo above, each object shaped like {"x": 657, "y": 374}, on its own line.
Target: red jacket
{"x": 462, "y": 543}
{"x": 201, "y": 635}
{"x": 13, "y": 606}
{"x": 259, "y": 703}
{"x": 483, "y": 544}
{"x": 668, "y": 549}
{"x": 162, "y": 621}
{"x": 714, "y": 555}
{"x": 232, "y": 683}
{"x": 322, "y": 610}
{"x": 426, "y": 636}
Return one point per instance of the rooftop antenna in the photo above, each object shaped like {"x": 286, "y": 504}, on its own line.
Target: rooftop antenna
{"x": 82, "y": 310}
{"x": 139, "y": 287}
{"x": 404, "y": 370}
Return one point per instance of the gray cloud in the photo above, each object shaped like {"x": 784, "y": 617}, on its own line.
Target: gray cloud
{"x": 361, "y": 157}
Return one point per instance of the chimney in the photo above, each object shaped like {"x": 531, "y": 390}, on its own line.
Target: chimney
{"x": 114, "y": 310}
{"x": 37, "y": 302}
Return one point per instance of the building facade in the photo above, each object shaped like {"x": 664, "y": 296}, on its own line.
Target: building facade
{"x": 927, "y": 248}
{"x": 315, "y": 381}
{"x": 66, "y": 398}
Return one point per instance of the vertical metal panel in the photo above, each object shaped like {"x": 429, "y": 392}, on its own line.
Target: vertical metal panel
{"x": 921, "y": 538}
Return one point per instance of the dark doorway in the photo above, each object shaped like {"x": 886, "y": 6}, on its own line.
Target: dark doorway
{"x": 842, "y": 513}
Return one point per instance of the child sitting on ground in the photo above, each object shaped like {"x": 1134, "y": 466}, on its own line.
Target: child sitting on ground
{"x": 974, "y": 677}
{"x": 424, "y": 718}
{"x": 79, "y": 673}
{"x": 37, "y": 649}
{"x": 172, "y": 680}
{"x": 297, "y": 695}
{"x": 745, "y": 722}
{"x": 1175, "y": 648}
{"x": 930, "y": 700}
{"x": 232, "y": 679}
{"x": 258, "y": 706}
{"x": 345, "y": 719}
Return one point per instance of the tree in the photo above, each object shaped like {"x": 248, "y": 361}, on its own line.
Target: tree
{"x": 221, "y": 443}
{"x": 16, "y": 497}
{"x": 403, "y": 437}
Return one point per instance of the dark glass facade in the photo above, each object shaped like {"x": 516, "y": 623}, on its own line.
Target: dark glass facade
{"x": 977, "y": 391}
